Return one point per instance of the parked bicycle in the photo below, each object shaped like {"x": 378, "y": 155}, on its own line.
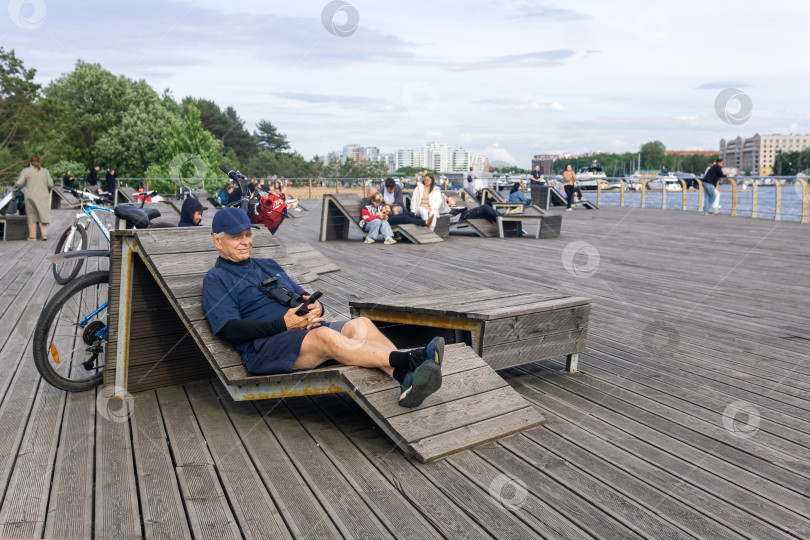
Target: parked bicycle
{"x": 70, "y": 337}
{"x": 75, "y": 237}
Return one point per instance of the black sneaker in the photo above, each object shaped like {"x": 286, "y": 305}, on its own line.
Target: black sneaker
{"x": 434, "y": 351}
{"x": 426, "y": 377}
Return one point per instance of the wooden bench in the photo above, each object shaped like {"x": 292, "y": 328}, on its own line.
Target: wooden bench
{"x": 548, "y": 225}
{"x": 59, "y": 195}
{"x": 545, "y": 197}
{"x": 342, "y": 210}
{"x": 13, "y": 227}
{"x": 505, "y": 329}
{"x": 158, "y": 335}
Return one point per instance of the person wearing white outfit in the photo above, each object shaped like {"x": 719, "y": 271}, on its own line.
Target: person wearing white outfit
{"x": 427, "y": 200}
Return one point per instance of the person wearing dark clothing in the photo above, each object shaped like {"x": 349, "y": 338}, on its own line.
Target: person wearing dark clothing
{"x": 191, "y": 213}
{"x": 253, "y": 303}
{"x": 68, "y": 180}
{"x": 91, "y": 181}
{"x": 710, "y": 179}
{"x": 235, "y": 196}
{"x": 537, "y": 177}
{"x": 111, "y": 181}
{"x": 569, "y": 184}
{"x": 224, "y": 194}
{"x": 251, "y": 187}
{"x": 483, "y": 211}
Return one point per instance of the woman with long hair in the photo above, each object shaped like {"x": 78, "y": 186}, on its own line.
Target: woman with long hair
{"x": 427, "y": 200}
{"x": 37, "y": 183}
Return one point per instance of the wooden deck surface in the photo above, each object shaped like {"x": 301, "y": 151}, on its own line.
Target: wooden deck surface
{"x": 690, "y": 416}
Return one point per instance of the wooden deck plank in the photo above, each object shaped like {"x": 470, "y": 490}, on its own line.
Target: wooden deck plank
{"x": 667, "y": 468}
{"x": 337, "y": 495}
{"x": 116, "y": 497}
{"x": 207, "y": 508}
{"x": 161, "y": 503}
{"x": 254, "y": 508}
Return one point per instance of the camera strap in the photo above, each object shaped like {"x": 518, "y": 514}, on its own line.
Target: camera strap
{"x": 243, "y": 278}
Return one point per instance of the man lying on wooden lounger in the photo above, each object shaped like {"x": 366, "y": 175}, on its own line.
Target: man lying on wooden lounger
{"x": 251, "y": 303}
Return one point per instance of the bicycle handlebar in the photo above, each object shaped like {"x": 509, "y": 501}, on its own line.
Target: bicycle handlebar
{"x": 239, "y": 178}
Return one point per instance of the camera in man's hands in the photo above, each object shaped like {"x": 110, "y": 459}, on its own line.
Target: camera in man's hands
{"x": 279, "y": 293}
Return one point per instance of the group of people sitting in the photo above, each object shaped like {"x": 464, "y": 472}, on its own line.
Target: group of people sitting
{"x": 231, "y": 193}
{"x": 380, "y": 211}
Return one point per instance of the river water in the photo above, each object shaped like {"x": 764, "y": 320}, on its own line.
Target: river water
{"x": 766, "y": 201}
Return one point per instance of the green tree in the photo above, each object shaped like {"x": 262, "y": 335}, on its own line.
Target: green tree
{"x": 132, "y": 145}
{"x": 19, "y": 111}
{"x": 268, "y": 137}
{"x": 652, "y": 155}
{"x": 411, "y": 171}
{"x": 225, "y": 126}
{"x": 83, "y": 105}
{"x": 188, "y": 150}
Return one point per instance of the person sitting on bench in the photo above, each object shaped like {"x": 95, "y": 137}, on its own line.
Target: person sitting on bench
{"x": 483, "y": 211}
{"x": 377, "y": 221}
{"x": 393, "y": 219}
{"x": 253, "y": 302}
{"x": 191, "y": 213}
{"x": 427, "y": 200}
{"x": 516, "y": 196}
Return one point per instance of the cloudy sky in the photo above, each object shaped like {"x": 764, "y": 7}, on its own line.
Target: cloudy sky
{"x": 507, "y": 78}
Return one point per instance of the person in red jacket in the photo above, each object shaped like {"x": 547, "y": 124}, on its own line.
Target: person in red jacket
{"x": 377, "y": 221}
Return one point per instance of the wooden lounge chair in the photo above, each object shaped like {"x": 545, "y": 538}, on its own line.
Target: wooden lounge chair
{"x": 159, "y": 335}
{"x": 545, "y": 197}
{"x": 342, "y": 210}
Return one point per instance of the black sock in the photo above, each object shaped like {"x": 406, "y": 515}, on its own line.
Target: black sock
{"x": 417, "y": 355}
{"x": 399, "y": 359}
{"x": 399, "y": 374}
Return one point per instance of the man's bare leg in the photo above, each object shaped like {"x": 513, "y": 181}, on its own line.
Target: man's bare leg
{"x": 322, "y": 344}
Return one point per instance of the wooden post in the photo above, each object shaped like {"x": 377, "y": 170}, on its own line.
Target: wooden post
{"x": 700, "y": 194}
{"x": 683, "y": 185}
{"x": 754, "y": 199}
{"x": 803, "y": 183}
{"x": 663, "y": 195}
{"x": 777, "y": 216}
{"x": 598, "y": 192}
{"x": 621, "y": 193}
{"x": 310, "y": 188}
{"x": 643, "y": 193}
{"x": 733, "y": 196}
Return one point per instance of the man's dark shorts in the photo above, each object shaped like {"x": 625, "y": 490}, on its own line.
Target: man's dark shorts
{"x": 277, "y": 354}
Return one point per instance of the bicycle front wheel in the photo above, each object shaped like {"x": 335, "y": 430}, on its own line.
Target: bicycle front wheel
{"x": 70, "y": 338}
{"x": 71, "y": 240}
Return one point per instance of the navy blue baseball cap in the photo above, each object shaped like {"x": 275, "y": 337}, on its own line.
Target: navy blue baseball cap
{"x": 231, "y": 221}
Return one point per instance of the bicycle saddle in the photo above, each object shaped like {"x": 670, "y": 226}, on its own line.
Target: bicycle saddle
{"x": 136, "y": 217}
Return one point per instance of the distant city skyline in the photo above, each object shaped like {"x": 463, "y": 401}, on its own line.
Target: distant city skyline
{"x": 505, "y": 79}
{"x": 434, "y": 156}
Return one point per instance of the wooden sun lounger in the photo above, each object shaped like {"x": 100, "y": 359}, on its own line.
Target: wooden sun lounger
{"x": 59, "y": 195}
{"x": 159, "y": 335}
{"x": 342, "y": 210}
{"x": 545, "y": 197}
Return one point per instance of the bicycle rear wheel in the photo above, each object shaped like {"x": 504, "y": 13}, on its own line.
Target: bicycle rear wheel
{"x": 66, "y": 271}
{"x": 70, "y": 338}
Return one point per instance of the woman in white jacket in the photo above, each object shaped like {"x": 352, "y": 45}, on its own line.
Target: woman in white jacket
{"x": 427, "y": 200}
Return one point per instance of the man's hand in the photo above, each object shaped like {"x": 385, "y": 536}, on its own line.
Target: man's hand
{"x": 309, "y": 321}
